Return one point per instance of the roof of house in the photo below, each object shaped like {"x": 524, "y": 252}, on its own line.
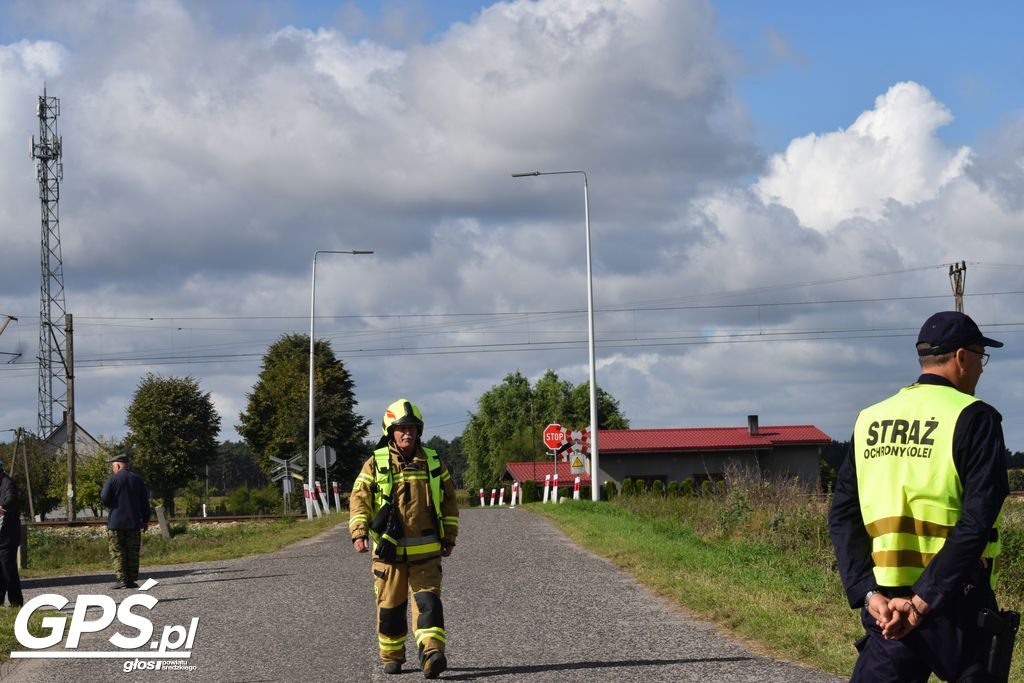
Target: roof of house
{"x": 707, "y": 438}
{"x": 525, "y": 471}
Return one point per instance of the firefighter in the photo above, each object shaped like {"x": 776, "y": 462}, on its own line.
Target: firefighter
{"x": 404, "y": 499}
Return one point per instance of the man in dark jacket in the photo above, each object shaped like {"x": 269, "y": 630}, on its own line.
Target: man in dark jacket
{"x": 125, "y": 494}
{"x": 10, "y": 539}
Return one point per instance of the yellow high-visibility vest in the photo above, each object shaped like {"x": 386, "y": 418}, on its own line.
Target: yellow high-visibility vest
{"x": 910, "y": 493}
{"x": 382, "y": 493}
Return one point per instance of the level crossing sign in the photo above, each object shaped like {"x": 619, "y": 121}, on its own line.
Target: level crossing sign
{"x": 578, "y": 464}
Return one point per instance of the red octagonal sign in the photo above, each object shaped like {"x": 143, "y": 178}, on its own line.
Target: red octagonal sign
{"x": 554, "y": 437}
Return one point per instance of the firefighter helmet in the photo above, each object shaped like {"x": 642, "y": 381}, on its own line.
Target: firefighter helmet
{"x": 401, "y": 412}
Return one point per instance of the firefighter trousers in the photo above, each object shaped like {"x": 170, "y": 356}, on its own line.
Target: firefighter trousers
{"x": 392, "y": 584}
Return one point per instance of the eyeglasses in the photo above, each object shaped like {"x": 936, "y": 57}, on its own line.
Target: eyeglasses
{"x": 984, "y": 356}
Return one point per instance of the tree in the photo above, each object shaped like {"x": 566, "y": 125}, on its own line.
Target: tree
{"x": 172, "y": 433}
{"x": 511, "y": 416}
{"x": 46, "y": 466}
{"x": 276, "y": 419}
{"x": 452, "y": 456}
{"x": 235, "y": 466}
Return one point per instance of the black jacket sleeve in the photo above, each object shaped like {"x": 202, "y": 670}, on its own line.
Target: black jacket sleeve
{"x": 849, "y": 537}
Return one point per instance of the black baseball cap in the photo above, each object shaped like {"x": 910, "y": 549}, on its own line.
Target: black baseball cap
{"x": 120, "y": 457}
{"x": 948, "y": 331}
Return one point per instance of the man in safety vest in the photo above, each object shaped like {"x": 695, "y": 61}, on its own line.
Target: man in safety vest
{"x": 404, "y": 499}
{"x": 915, "y": 514}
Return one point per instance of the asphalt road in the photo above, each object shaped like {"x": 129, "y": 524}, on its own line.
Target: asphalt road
{"x": 521, "y": 602}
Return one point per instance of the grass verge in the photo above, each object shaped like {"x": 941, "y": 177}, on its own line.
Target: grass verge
{"x": 55, "y": 552}
{"x": 786, "y": 602}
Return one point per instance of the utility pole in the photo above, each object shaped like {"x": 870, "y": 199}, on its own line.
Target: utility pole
{"x": 3, "y": 326}
{"x": 957, "y": 276}
{"x": 69, "y": 421}
{"x": 19, "y": 439}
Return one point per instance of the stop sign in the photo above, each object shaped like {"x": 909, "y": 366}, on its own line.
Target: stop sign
{"x": 554, "y": 437}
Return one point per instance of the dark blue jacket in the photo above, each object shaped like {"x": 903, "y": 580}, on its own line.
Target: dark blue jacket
{"x": 127, "y": 497}
{"x": 10, "y": 532}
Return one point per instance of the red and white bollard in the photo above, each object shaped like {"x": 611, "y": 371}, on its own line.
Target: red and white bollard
{"x": 323, "y": 498}
{"x": 547, "y": 487}
{"x": 481, "y": 497}
{"x": 501, "y": 497}
{"x": 576, "y": 489}
{"x": 554, "y": 489}
{"x": 515, "y": 493}
{"x": 311, "y": 499}
{"x": 337, "y": 495}
{"x": 494, "y": 494}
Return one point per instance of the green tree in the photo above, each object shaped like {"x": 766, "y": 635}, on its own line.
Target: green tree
{"x": 276, "y": 419}
{"x": 452, "y": 455}
{"x": 511, "y": 416}
{"x": 235, "y": 466}
{"x": 172, "y": 433}
{"x": 47, "y": 472}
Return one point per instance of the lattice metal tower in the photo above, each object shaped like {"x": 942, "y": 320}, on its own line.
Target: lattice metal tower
{"x": 53, "y": 389}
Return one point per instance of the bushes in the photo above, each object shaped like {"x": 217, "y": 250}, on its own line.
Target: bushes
{"x": 609, "y": 490}
{"x": 529, "y": 488}
{"x": 658, "y": 488}
{"x": 264, "y": 501}
{"x": 627, "y": 487}
{"x": 687, "y": 489}
{"x": 673, "y": 489}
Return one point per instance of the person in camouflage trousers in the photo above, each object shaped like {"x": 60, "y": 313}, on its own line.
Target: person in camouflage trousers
{"x": 125, "y": 494}
{"x": 404, "y": 499}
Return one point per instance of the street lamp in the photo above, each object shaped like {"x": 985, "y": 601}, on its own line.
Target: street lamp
{"x": 595, "y": 494}
{"x": 312, "y": 405}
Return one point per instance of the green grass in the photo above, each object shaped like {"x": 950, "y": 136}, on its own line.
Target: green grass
{"x": 762, "y": 568}
{"x": 55, "y": 552}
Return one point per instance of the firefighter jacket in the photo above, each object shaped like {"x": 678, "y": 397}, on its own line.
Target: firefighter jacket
{"x": 911, "y": 495}
{"x": 421, "y": 490}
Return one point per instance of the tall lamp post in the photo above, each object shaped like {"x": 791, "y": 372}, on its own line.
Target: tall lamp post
{"x": 312, "y": 403}
{"x": 595, "y": 493}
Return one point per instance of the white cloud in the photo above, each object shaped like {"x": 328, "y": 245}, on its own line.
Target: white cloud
{"x": 890, "y": 153}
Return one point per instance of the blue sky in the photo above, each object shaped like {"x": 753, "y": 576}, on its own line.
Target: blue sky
{"x": 768, "y": 181}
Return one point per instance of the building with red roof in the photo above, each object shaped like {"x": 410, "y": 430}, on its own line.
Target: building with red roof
{"x": 700, "y": 453}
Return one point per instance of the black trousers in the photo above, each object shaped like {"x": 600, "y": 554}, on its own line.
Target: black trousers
{"x": 10, "y": 582}
{"x": 946, "y": 644}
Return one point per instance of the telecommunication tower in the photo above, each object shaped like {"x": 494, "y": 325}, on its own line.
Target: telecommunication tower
{"x": 53, "y": 389}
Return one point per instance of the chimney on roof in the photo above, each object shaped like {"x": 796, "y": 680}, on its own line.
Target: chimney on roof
{"x": 752, "y": 424}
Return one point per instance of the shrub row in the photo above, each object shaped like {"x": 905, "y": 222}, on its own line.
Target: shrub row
{"x": 686, "y": 487}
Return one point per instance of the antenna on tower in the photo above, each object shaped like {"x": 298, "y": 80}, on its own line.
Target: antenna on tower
{"x": 47, "y": 152}
{"x": 957, "y": 276}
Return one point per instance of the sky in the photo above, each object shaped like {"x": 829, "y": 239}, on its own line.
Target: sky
{"x": 776, "y": 193}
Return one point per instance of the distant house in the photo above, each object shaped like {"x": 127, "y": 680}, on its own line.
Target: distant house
{"x": 700, "y": 453}
{"x": 85, "y": 444}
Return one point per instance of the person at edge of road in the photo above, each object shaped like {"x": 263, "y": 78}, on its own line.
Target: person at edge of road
{"x": 407, "y": 557}
{"x": 916, "y": 510}
{"x": 125, "y": 494}
{"x": 10, "y": 540}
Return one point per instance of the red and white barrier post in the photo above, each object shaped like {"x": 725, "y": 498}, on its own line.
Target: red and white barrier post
{"x": 494, "y": 494}
{"x": 576, "y": 489}
{"x": 547, "y": 487}
{"x": 311, "y": 500}
{"x": 501, "y": 497}
{"x": 481, "y": 497}
{"x": 554, "y": 489}
{"x": 337, "y": 495}
{"x": 323, "y": 497}
{"x": 515, "y": 492}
